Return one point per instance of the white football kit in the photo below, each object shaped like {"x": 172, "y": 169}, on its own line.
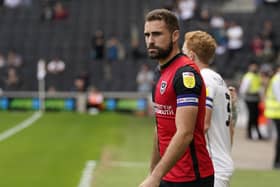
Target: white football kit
{"x": 218, "y": 135}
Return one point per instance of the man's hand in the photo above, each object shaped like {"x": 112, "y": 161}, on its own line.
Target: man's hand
{"x": 234, "y": 98}
{"x": 150, "y": 181}
{"x": 233, "y": 94}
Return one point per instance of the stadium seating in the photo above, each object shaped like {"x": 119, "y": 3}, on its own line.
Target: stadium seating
{"x": 22, "y": 30}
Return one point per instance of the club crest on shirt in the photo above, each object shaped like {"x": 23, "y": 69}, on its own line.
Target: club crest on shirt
{"x": 188, "y": 79}
{"x": 163, "y": 86}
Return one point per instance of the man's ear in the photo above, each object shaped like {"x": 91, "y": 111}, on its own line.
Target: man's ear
{"x": 175, "y": 36}
{"x": 191, "y": 55}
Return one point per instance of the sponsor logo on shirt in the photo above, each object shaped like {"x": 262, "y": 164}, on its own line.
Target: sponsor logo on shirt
{"x": 163, "y": 109}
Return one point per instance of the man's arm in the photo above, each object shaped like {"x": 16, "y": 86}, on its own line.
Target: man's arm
{"x": 155, "y": 152}
{"x": 210, "y": 94}
{"x": 233, "y": 96}
{"x": 207, "y": 123}
{"x": 185, "y": 124}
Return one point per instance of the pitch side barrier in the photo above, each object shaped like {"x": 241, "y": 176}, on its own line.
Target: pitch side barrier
{"x": 73, "y": 101}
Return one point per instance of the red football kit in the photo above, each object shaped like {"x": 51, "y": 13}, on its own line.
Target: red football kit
{"x": 179, "y": 83}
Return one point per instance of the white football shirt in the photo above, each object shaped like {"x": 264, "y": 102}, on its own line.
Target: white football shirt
{"x": 218, "y": 135}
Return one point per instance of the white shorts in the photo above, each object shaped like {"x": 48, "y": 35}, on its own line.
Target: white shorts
{"x": 221, "y": 183}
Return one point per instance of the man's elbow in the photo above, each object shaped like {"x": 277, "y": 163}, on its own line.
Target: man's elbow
{"x": 187, "y": 136}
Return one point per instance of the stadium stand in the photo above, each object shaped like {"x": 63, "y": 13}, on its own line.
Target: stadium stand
{"x": 22, "y": 29}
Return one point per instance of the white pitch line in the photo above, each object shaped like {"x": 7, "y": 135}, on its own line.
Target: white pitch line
{"x": 26, "y": 123}
{"x": 87, "y": 175}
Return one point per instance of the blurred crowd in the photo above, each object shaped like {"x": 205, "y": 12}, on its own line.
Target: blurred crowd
{"x": 261, "y": 48}
{"x": 234, "y": 49}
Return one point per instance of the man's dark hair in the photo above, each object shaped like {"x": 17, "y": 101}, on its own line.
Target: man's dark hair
{"x": 164, "y": 15}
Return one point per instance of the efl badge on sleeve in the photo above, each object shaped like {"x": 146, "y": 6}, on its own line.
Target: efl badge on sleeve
{"x": 188, "y": 79}
{"x": 163, "y": 86}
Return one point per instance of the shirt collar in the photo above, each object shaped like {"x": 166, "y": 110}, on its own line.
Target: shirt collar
{"x": 161, "y": 67}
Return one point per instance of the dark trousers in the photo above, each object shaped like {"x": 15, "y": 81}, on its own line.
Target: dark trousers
{"x": 277, "y": 146}
{"x": 203, "y": 182}
{"x": 253, "y": 110}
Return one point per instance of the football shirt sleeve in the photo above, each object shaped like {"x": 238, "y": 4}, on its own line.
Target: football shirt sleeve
{"x": 187, "y": 85}
{"x": 210, "y": 89}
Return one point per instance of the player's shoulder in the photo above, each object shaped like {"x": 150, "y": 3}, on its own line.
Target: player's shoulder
{"x": 211, "y": 75}
{"x": 188, "y": 71}
{"x": 209, "y": 72}
{"x": 187, "y": 68}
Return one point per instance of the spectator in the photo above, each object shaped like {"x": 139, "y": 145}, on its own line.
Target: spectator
{"x": 217, "y": 24}
{"x": 186, "y": 9}
{"x": 114, "y": 50}
{"x": 269, "y": 53}
{"x": 257, "y": 46}
{"x": 14, "y": 59}
{"x": 95, "y": 100}
{"x": 47, "y": 14}
{"x": 56, "y": 66}
{"x": 217, "y": 21}
{"x": 145, "y": 79}
{"x": 136, "y": 52}
{"x": 2, "y": 70}
{"x": 79, "y": 84}
{"x": 2, "y": 61}
{"x": 60, "y": 13}
{"x": 51, "y": 89}
{"x": 55, "y": 70}
{"x": 98, "y": 45}
{"x": 250, "y": 90}
{"x": 267, "y": 31}
{"x": 12, "y": 3}
{"x": 85, "y": 76}
{"x": 234, "y": 46}
{"x": 272, "y": 111}
{"x": 12, "y": 82}
{"x": 204, "y": 20}
{"x": 235, "y": 37}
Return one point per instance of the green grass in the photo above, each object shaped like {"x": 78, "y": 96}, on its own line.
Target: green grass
{"x": 135, "y": 147}
{"x": 54, "y": 150}
{"x": 251, "y": 178}
{"x": 9, "y": 119}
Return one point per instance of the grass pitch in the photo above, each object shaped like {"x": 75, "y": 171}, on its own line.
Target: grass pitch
{"x": 54, "y": 150}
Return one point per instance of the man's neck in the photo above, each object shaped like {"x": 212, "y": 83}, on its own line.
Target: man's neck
{"x": 201, "y": 65}
{"x": 171, "y": 55}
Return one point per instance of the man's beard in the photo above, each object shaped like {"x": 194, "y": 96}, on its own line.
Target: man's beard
{"x": 160, "y": 53}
